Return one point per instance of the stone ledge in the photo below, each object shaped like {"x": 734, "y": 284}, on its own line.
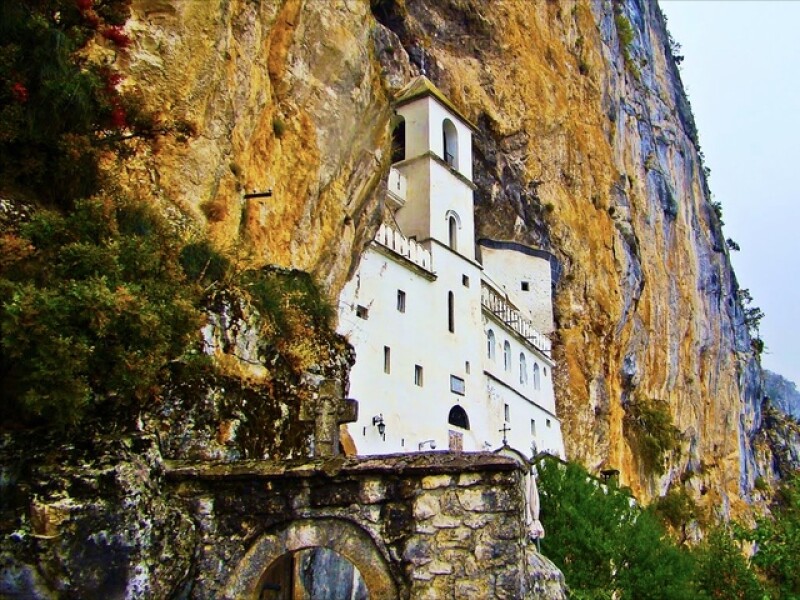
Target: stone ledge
{"x": 416, "y": 464}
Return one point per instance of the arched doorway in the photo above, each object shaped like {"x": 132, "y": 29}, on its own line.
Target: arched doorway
{"x": 313, "y": 574}
{"x": 259, "y": 570}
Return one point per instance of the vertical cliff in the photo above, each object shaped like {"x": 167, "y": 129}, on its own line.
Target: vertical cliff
{"x": 586, "y": 147}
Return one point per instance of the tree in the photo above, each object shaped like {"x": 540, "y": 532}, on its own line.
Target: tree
{"x": 722, "y": 570}
{"x": 605, "y": 545}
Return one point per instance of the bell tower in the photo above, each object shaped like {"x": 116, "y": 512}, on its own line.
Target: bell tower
{"x": 432, "y": 151}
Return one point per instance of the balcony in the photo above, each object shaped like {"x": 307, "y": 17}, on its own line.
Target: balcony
{"x": 397, "y": 187}
{"x": 501, "y": 308}
{"x": 409, "y": 249}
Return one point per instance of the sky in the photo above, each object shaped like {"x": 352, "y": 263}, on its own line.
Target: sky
{"x": 742, "y": 74}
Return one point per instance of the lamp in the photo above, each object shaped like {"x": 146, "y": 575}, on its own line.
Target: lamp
{"x": 378, "y": 420}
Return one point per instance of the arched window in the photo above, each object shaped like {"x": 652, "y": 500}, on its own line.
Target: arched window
{"x": 451, "y": 312}
{"x": 535, "y": 376}
{"x": 490, "y": 344}
{"x": 399, "y": 140}
{"x": 523, "y": 369}
{"x": 450, "y": 143}
{"x": 452, "y": 230}
{"x": 507, "y": 355}
{"x": 458, "y": 417}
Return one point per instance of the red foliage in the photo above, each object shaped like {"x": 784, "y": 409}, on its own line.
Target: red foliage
{"x": 20, "y": 92}
{"x": 84, "y": 4}
{"x": 117, "y": 35}
{"x": 118, "y": 117}
{"x": 113, "y": 79}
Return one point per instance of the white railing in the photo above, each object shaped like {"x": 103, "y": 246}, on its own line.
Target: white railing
{"x": 502, "y": 308}
{"x": 405, "y": 247}
{"x": 397, "y": 186}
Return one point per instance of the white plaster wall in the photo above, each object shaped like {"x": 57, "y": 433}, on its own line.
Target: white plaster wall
{"x": 414, "y": 217}
{"x": 547, "y": 436}
{"x": 436, "y": 116}
{"x": 509, "y": 268}
{"x": 416, "y": 116}
{"x": 419, "y": 336}
{"x": 448, "y": 192}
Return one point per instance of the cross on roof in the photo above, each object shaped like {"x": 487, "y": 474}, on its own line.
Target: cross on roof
{"x": 504, "y": 431}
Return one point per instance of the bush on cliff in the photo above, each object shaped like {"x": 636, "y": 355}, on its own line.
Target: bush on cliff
{"x": 605, "y": 545}
{"x": 93, "y": 305}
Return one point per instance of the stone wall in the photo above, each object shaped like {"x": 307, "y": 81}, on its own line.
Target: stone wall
{"x": 433, "y": 525}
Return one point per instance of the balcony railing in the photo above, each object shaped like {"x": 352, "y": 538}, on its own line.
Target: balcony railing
{"x": 502, "y": 308}
{"x": 405, "y": 247}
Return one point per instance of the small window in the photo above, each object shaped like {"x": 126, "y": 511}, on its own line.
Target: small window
{"x": 465, "y": 280}
{"x": 401, "y": 301}
{"x": 549, "y": 423}
{"x": 451, "y": 312}
{"x": 544, "y": 371}
{"x": 507, "y": 355}
{"x": 536, "y": 383}
{"x": 533, "y": 426}
{"x": 452, "y": 230}
{"x": 418, "y": 375}
{"x": 523, "y": 369}
{"x": 466, "y": 367}
{"x": 387, "y": 359}
{"x": 526, "y": 286}
{"x": 490, "y": 344}
{"x": 457, "y": 385}
{"x": 362, "y": 312}
{"x": 506, "y": 412}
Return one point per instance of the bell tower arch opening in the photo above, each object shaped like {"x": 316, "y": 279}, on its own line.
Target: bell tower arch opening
{"x": 398, "y": 139}
{"x": 450, "y": 143}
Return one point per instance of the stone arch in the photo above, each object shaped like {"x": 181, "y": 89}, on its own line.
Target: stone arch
{"x": 341, "y": 536}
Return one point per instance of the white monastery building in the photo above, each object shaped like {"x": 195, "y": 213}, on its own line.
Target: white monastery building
{"x": 450, "y": 334}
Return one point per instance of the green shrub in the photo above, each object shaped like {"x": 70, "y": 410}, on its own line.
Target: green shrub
{"x": 677, "y": 508}
{"x": 89, "y": 316}
{"x": 723, "y": 571}
{"x": 278, "y": 127}
{"x": 202, "y": 262}
{"x": 649, "y": 428}
{"x": 605, "y": 545}
{"x": 777, "y": 539}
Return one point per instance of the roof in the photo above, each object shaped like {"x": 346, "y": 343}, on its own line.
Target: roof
{"x": 421, "y": 86}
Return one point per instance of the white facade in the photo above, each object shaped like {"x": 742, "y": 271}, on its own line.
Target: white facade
{"x": 420, "y": 307}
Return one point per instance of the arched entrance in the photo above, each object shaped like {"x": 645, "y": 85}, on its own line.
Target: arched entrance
{"x": 262, "y": 563}
{"x": 313, "y": 574}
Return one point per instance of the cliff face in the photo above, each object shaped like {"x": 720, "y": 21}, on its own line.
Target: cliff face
{"x": 585, "y": 147}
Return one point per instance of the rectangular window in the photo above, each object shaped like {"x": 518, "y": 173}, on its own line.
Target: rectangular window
{"x": 362, "y": 312}
{"x": 526, "y": 286}
{"x": 548, "y": 422}
{"x": 533, "y": 427}
{"x": 387, "y": 359}
{"x": 418, "y": 375}
{"x": 401, "y": 301}
{"x": 457, "y": 385}
{"x": 465, "y": 280}
{"x": 506, "y": 412}
{"x": 466, "y": 367}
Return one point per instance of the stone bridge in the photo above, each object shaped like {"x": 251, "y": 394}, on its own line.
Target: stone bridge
{"x": 432, "y": 525}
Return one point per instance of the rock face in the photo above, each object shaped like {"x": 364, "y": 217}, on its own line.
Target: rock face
{"x": 782, "y": 393}
{"x": 586, "y": 147}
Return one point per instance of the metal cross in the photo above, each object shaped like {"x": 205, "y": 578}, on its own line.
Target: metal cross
{"x": 504, "y": 431}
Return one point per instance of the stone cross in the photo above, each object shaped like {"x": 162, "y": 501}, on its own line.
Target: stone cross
{"x": 328, "y": 410}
